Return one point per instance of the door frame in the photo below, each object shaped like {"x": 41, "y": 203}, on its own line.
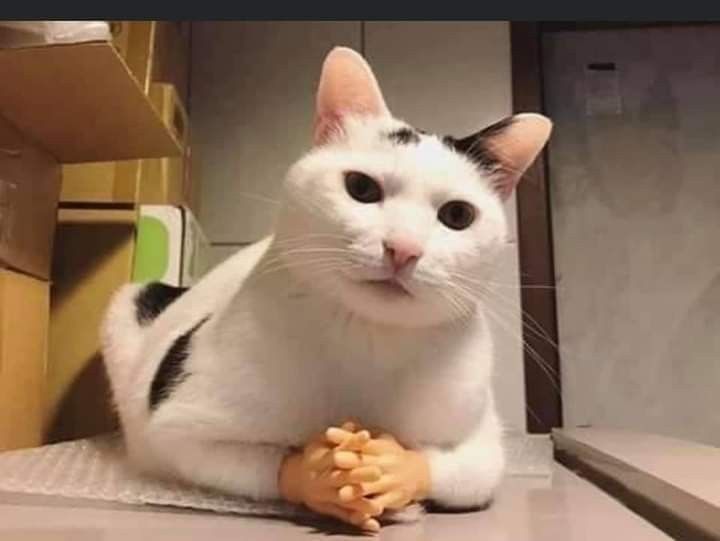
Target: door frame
{"x": 535, "y": 246}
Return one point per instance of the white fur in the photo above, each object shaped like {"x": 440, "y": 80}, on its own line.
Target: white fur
{"x": 297, "y": 341}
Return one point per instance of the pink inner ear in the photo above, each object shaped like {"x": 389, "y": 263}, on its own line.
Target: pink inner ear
{"x": 347, "y": 87}
{"x": 517, "y": 147}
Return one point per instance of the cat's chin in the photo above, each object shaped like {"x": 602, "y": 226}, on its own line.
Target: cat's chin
{"x": 391, "y": 302}
{"x": 390, "y": 288}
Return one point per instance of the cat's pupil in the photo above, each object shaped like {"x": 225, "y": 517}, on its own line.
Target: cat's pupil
{"x": 362, "y": 187}
{"x": 457, "y": 214}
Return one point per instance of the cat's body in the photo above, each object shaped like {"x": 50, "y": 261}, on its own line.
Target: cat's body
{"x": 327, "y": 320}
{"x": 294, "y": 364}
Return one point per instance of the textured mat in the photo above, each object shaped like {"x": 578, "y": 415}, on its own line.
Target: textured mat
{"x": 95, "y": 469}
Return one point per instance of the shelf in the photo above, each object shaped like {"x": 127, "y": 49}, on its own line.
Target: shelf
{"x": 81, "y": 103}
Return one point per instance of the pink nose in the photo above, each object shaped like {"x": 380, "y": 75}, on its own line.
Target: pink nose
{"x": 402, "y": 252}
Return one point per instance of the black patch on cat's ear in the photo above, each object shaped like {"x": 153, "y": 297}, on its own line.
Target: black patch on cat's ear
{"x": 153, "y": 299}
{"x": 170, "y": 372}
{"x": 404, "y": 136}
{"x": 476, "y": 146}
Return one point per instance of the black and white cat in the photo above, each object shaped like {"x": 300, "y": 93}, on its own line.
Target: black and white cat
{"x": 361, "y": 305}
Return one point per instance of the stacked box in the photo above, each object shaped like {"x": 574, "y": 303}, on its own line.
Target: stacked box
{"x": 29, "y": 189}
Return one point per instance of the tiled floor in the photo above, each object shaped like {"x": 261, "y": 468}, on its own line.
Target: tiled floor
{"x": 562, "y": 508}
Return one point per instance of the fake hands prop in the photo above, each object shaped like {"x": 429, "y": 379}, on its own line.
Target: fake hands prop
{"x": 354, "y": 477}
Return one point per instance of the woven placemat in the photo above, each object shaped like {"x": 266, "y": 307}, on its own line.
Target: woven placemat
{"x": 96, "y": 469}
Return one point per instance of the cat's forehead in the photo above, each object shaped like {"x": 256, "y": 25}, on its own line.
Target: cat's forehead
{"x": 407, "y": 149}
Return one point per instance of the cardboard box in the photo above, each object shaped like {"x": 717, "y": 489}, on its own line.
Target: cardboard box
{"x": 171, "y": 246}
{"x": 135, "y": 41}
{"x": 155, "y": 51}
{"x": 101, "y": 182}
{"x": 120, "y": 31}
{"x": 29, "y": 191}
{"x": 171, "y": 58}
{"x": 24, "y": 307}
{"x": 170, "y": 107}
{"x": 82, "y": 103}
{"x": 97, "y": 249}
{"x": 160, "y": 181}
{"x": 102, "y": 250}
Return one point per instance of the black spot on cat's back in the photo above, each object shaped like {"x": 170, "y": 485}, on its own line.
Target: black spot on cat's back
{"x": 171, "y": 370}
{"x": 152, "y": 299}
{"x": 404, "y": 136}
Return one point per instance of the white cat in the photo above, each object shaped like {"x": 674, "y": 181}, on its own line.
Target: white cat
{"x": 361, "y": 305}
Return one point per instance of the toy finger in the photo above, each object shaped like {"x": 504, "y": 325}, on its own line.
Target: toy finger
{"x": 338, "y": 436}
{"x": 368, "y": 524}
{"x": 346, "y": 515}
{"x": 362, "y": 505}
{"x": 386, "y": 484}
{"x": 349, "y": 426}
{"x": 371, "y": 525}
{"x": 383, "y": 461}
{"x": 356, "y": 441}
{"x": 363, "y": 474}
{"x": 390, "y": 500}
{"x": 380, "y": 447}
{"x": 346, "y": 460}
{"x": 319, "y": 457}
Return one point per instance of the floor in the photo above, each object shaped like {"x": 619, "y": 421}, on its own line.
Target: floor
{"x": 564, "y": 507}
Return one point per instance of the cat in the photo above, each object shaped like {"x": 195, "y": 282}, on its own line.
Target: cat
{"x": 362, "y": 304}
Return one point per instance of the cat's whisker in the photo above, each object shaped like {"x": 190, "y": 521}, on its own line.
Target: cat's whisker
{"x": 544, "y": 366}
{"x": 548, "y": 369}
{"x": 306, "y": 236}
{"x": 263, "y": 271}
{"x": 489, "y": 281}
{"x": 512, "y": 305}
{"x": 539, "y": 331}
{"x": 491, "y": 309}
{"x": 258, "y": 197}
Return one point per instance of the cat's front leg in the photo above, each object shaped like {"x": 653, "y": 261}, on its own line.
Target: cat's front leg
{"x": 464, "y": 476}
{"x": 248, "y": 470}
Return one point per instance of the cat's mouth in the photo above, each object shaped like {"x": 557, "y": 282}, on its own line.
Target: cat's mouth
{"x": 389, "y": 286}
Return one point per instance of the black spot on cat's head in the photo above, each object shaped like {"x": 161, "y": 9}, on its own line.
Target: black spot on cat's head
{"x": 404, "y": 136}
{"x": 476, "y": 146}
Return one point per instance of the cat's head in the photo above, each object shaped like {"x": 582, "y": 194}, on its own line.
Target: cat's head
{"x": 398, "y": 225}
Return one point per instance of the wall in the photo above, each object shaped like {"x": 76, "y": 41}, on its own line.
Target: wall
{"x": 635, "y": 174}
{"x": 252, "y": 98}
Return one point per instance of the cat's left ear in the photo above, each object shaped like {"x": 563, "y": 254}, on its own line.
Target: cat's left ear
{"x": 507, "y": 148}
{"x": 347, "y": 87}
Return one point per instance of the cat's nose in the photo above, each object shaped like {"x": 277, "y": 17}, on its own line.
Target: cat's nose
{"x": 402, "y": 252}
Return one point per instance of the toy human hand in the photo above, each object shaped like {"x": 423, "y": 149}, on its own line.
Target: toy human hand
{"x": 315, "y": 477}
{"x": 405, "y": 474}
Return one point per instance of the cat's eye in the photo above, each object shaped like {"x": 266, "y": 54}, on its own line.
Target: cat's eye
{"x": 363, "y": 188}
{"x": 457, "y": 214}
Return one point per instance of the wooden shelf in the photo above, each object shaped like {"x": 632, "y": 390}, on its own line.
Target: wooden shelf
{"x": 81, "y": 103}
